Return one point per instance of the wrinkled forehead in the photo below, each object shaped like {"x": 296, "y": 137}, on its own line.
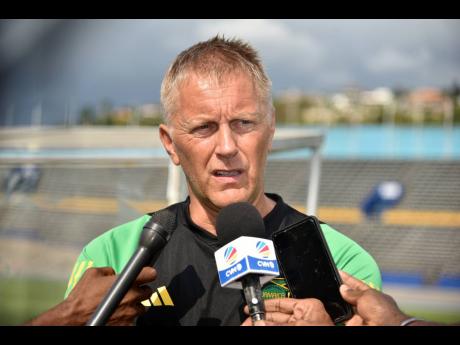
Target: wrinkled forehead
{"x": 192, "y": 82}
{"x": 213, "y": 78}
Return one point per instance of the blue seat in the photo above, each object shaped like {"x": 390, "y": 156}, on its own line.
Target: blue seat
{"x": 404, "y": 278}
{"x": 384, "y": 195}
{"x": 449, "y": 281}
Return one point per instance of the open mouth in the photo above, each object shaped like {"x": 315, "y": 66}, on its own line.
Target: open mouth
{"x": 227, "y": 173}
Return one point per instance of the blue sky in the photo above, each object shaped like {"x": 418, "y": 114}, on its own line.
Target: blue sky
{"x": 70, "y": 63}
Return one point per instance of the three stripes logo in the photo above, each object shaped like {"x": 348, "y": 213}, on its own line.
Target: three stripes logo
{"x": 159, "y": 298}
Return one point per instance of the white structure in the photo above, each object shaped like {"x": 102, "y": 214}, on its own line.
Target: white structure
{"x": 379, "y": 96}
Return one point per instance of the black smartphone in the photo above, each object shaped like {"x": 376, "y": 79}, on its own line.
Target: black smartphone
{"x": 308, "y": 266}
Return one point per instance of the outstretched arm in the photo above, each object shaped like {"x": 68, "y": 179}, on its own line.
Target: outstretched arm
{"x": 81, "y": 303}
{"x": 372, "y": 308}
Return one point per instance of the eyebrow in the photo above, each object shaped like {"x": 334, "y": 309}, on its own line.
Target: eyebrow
{"x": 204, "y": 117}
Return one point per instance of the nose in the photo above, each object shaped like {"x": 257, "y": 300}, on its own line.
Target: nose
{"x": 226, "y": 146}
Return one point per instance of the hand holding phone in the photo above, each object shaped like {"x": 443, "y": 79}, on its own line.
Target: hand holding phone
{"x": 308, "y": 267}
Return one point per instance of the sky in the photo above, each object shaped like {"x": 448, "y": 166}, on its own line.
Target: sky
{"x": 67, "y": 64}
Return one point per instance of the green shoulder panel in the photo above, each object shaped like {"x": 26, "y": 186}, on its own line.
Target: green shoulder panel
{"x": 113, "y": 248}
{"x": 350, "y": 257}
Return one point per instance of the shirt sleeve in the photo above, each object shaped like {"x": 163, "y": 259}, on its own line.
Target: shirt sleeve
{"x": 111, "y": 249}
{"x": 364, "y": 268}
{"x": 81, "y": 265}
{"x": 350, "y": 257}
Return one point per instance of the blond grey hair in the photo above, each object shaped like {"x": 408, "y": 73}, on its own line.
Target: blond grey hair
{"x": 215, "y": 58}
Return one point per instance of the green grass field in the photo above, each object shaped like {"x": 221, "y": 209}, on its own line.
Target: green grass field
{"x": 23, "y": 299}
{"x": 437, "y": 316}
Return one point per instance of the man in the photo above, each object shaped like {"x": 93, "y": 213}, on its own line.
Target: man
{"x": 219, "y": 127}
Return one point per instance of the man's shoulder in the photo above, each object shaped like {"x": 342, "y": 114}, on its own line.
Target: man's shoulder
{"x": 131, "y": 230}
{"x": 122, "y": 231}
{"x": 351, "y": 257}
{"x": 348, "y": 255}
{"x": 112, "y": 248}
{"x": 124, "y": 236}
{"x": 123, "y": 239}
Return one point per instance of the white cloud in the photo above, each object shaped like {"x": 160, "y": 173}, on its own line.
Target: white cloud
{"x": 275, "y": 40}
{"x": 392, "y": 60}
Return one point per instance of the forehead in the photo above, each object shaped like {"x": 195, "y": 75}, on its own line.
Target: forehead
{"x": 235, "y": 89}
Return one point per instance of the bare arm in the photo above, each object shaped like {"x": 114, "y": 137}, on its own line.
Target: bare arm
{"x": 81, "y": 303}
{"x": 372, "y": 308}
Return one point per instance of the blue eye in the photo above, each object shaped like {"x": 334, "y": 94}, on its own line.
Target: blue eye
{"x": 204, "y": 129}
{"x": 243, "y": 125}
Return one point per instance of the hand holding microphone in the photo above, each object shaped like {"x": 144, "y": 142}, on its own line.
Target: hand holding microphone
{"x": 247, "y": 260}
{"x": 154, "y": 236}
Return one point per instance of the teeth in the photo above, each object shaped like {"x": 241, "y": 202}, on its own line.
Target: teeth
{"x": 227, "y": 173}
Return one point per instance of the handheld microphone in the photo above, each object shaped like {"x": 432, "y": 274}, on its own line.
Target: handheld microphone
{"x": 153, "y": 238}
{"x": 248, "y": 259}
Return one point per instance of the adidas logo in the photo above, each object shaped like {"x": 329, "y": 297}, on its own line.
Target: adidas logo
{"x": 159, "y": 298}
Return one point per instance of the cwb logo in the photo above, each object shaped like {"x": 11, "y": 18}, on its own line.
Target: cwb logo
{"x": 263, "y": 249}
{"x": 230, "y": 255}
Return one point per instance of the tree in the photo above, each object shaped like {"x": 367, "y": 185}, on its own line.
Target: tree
{"x": 87, "y": 115}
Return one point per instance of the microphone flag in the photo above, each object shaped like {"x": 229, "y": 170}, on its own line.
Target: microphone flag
{"x": 243, "y": 256}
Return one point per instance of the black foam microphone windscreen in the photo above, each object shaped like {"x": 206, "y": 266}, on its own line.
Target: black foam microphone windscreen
{"x": 239, "y": 219}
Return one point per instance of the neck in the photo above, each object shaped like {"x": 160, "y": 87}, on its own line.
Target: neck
{"x": 205, "y": 215}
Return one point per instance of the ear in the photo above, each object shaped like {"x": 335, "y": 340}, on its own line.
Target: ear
{"x": 166, "y": 140}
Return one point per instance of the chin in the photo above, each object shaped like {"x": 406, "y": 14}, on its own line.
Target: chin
{"x": 227, "y": 198}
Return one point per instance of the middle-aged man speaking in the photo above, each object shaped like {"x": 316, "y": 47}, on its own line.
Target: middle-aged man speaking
{"x": 219, "y": 123}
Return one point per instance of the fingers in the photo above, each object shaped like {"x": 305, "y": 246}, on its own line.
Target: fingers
{"x": 267, "y": 322}
{"x": 356, "y": 320}
{"x": 278, "y": 317}
{"x": 144, "y": 292}
{"x": 276, "y": 310}
{"x": 131, "y": 307}
{"x": 97, "y": 272}
{"x": 147, "y": 275}
{"x": 247, "y": 322}
{"x": 352, "y": 282}
{"x": 137, "y": 294}
{"x": 281, "y": 305}
{"x": 125, "y": 315}
{"x": 104, "y": 271}
{"x": 260, "y": 323}
{"x": 350, "y": 295}
{"x": 289, "y": 310}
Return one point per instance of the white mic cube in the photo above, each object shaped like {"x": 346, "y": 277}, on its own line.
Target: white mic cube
{"x": 246, "y": 255}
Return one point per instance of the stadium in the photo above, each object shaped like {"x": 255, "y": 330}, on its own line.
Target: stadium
{"x": 367, "y": 139}
{"x": 92, "y": 179}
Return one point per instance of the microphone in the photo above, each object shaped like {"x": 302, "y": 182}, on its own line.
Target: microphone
{"x": 154, "y": 236}
{"x": 247, "y": 260}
